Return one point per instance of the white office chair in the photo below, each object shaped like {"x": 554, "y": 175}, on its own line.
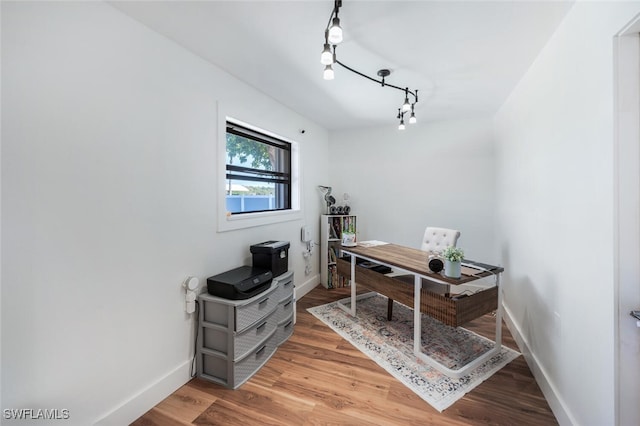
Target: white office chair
{"x": 438, "y": 239}
{"x": 435, "y": 240}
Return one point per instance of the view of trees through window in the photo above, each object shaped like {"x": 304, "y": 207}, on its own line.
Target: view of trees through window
{"x": 258, "y": 171}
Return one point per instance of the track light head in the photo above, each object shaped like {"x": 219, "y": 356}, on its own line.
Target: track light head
{"x": 412, "y": 118}
{"x": 328, "y": 73}
{"x": 406, "y": 106}
{"x": 335, "y": 31}
{"x": 327, "y": 56}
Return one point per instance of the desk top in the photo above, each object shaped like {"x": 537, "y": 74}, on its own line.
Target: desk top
{"x": 411, "y": 259}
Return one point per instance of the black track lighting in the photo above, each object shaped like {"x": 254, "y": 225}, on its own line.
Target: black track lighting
{"x": 333, "y": 35}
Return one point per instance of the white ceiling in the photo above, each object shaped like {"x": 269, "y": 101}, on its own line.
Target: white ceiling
{"x": 464, "y": 57}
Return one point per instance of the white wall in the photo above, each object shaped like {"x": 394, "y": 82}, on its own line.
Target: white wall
{"x": 555, "y": 195}
{"x": 437, "y": 174}
{"x": 109, "y": 203}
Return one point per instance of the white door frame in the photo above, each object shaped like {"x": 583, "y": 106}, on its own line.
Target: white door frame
{"x": 627, "y": 222}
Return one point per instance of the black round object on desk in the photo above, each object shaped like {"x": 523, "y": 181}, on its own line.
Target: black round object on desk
{"x": 436, "y": 265}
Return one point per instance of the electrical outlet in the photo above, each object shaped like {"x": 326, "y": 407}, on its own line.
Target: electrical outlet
{"x": 305, "y": 234}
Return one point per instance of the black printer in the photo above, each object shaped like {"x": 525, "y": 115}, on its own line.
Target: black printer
{"x": 240, "y": 283}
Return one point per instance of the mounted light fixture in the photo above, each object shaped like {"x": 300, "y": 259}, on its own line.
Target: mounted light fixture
{"x": 327, "y": 57}
{"x": 335, "y": 31}
{"x": 412, "y": 118}
{"x": 333, "y": 35}
{"x": 328, "y": 73}
{"x": 401, "y": 118}
{"x": 406, "y": 106}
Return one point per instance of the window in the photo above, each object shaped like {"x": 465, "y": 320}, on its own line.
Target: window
{"x": 258, "y": 171}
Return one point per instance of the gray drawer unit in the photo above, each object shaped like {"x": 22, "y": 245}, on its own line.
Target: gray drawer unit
{"x": 247, "y": 315}
{"x": 285, "y": 297}
{"x": 238, "y": 314}
{"x": 285, "y": 309}
{"x": 236, "y": 345}
{"x": 237, "y": 337}
{"x": 285, "y": 330}
{"x": 285, "y": 286}
{"x": 217, "y": 368}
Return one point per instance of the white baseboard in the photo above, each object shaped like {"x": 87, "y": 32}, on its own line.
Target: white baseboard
{"x": 302, "y": 289}
{"x": 554, "y": 399}
{"x": 306, "y": 287}
{"x": 139, "y": 404}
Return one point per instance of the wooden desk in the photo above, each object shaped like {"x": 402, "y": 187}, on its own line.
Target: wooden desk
{"x": 415, "y": 262}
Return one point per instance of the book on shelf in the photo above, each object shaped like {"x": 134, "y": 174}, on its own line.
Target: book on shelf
{"x": 333, "y": 271}
{"x": 336, "y": 228}
{"x": 332, "y": 233}
{"x": 335, "y": 280}
{"x": 332, "y": 255}
{"x": 348, "y": 224}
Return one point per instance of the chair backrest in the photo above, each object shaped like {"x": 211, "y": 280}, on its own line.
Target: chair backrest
{"x": 438, "y": 239}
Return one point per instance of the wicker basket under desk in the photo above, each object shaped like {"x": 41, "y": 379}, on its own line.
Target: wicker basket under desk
{"x": 453, "y": 312}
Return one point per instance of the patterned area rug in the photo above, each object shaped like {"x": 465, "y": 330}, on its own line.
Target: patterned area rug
{"x": 390, "y": 345}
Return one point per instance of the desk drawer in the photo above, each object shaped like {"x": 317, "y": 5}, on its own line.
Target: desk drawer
{"x": 453, "y": 312}
{"x": 395, "y": 289}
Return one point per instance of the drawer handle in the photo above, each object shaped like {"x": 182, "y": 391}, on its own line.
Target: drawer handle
{"x": 288, "y": 303}
{"x": 288, "y": 324}
{"x": 263, "y": 301}
{"x": 288, "y": 283}
{"x": 259, "y": 351}
{"x": 261, "y": 326}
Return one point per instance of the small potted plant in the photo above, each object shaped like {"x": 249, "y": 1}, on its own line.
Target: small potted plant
{"x": 452, "y": 261}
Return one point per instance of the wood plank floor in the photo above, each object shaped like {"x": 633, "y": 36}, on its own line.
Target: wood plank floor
{"x": 318, "y": 378}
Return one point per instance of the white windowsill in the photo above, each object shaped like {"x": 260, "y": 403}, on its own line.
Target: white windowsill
{"x": 248, "y": 220}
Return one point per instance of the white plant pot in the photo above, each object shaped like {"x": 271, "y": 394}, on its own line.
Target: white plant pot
{"x": 452, "y": 269}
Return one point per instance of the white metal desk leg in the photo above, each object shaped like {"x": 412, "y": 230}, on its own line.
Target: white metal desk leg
{"x": 353, "y": 285}
{"x": 417, "y": 319}
{"x": 499, "y": 314}
{"x": 353, "y": 299}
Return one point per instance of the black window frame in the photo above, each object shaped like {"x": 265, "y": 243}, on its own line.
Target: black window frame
{"x": 282, "y": 178}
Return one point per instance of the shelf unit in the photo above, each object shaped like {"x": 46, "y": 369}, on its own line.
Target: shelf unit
{"x": 331, "y": 229}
